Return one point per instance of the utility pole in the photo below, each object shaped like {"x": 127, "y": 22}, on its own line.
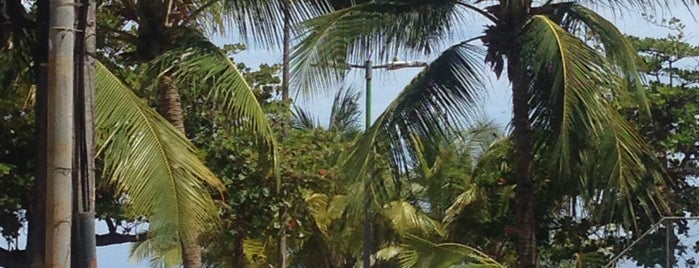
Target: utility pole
{"x": 83, "y": 236}
{"x": 59, "y": 133}
{"x": 368, "y": 68}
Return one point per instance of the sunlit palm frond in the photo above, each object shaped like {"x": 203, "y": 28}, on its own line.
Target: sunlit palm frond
{"x": 325, "y": 210}
{"x": 153, "y": 163}
{"x": 465, "y": 199}
{"x": 418, "y": 252}
{"x": 572, "y": 87}
{"x": 158, "y": 255}
{"x": 440, "y": 100}
{"x": 376, "y": 30}
{"x": 202, "y": 67}
{"x": 255, "y": 250}
{"x": 406, "y": 218}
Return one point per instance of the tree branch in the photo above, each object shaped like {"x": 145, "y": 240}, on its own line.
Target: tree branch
{"x": 12, "y": 258}
{"x": 115, "y": 238}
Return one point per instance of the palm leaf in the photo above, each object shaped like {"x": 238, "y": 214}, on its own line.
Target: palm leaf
{"x": 439, "y": 101}
{"x": 405, "y": 218}
{"x": 262, "y": 21}
{"x": 571, "y": 104}
{"x": 303, "y": 119}
{"x": 418, "y": 252}
{"x": 345, "y": 113}
{"x": 158, "y": 255}
{"x": 376, "y": 30}
{"x": 146, "y": 158}
{"x": 617, "y": 48}
{"x": 202, "y": 67}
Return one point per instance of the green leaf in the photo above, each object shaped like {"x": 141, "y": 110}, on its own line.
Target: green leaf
{"x": 153, "y": 163}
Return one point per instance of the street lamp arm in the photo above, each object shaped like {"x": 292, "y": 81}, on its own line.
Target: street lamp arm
{"x": 394, "y": 65}
{"x": 405, "y": 64}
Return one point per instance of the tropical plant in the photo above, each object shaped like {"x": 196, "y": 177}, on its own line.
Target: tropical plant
{"x": 563, "y": 90}
{"x": 191, "y": 62}
{"x": 671, "y": 131}
{"x": 129, "y": 131}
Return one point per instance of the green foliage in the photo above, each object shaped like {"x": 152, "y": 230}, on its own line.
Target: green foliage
{"x": 673, "y": 92}
{"x": 17, "y": 152}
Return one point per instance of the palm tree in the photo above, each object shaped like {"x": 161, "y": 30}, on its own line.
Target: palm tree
{"x": 563, "y": 93}
{"x": 161, "y": 28}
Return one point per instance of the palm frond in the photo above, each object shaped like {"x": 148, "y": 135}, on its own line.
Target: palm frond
{"x": 571, "y": 83}
{"x": 345, "y": 113}
{"x": 202, "y": 67}
{"x": 262, "y": 21}
{"x": 325, "y": 210}
{"x": 303, "y": 119}
{"x": 439, "y": 101}
{"x": 406, "y": 218}
{"x": 150, "y": 161}
{"x": 468, "y": 197}
{"x": 617, "y": 48}
{"x": 419, "y": 252}
{"x": 377, "y": 30}
{"x": 158, "y": 255}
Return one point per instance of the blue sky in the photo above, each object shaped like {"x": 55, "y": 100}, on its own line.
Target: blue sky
{"x": 388, "y": 84}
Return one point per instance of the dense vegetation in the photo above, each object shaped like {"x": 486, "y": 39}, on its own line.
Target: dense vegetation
{"x": 603, "y": 144}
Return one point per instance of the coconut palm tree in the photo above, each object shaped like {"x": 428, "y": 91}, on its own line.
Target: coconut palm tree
{"x": 136, "y": 143}
{"x": 169, "y": 39}
{"x": 563, "y": 89}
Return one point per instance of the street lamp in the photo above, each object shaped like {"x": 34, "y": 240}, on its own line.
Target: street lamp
{"x": 368, "y": 68}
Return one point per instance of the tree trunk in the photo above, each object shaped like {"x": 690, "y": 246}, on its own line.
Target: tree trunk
{"x": 526, "y": 243}
{"x": 37, "y": 215}
{"x": 286, "y": 49}
{"x": 84, "y": 244}
{"x": 171, "y": 109}
{"x": 59, "y": 191}
{"x": 170, "y": 103}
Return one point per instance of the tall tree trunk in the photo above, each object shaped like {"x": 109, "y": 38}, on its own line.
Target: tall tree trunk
{"x": 286, "y": 50}
{"x": 170, "y": 103}
{"x": 83, "y": 242}
{"x": 59, "y": 191}
{"x": 37, "y": 215}
{"x": 526, "y": 242}
{"x": 171, "y": 109}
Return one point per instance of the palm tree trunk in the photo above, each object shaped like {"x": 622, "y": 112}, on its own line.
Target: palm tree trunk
{"x": 526, "y": 243}
{"x": 170, "y": 103}
{"x": 171, "y": 109}
{"x": 286, "y": 50}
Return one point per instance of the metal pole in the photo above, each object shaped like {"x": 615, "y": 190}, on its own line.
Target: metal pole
{"x": 84, "y": 244}
{"x": 367, "y": 71}
{"x": 366, "y": 257}
{"x": 669, "y": 253}
{"x": 59, "y": 190}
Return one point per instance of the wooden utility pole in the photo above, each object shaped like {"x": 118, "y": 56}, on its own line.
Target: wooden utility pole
{"x": 59, "y": 133}
{"x": 83, "y": 236}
